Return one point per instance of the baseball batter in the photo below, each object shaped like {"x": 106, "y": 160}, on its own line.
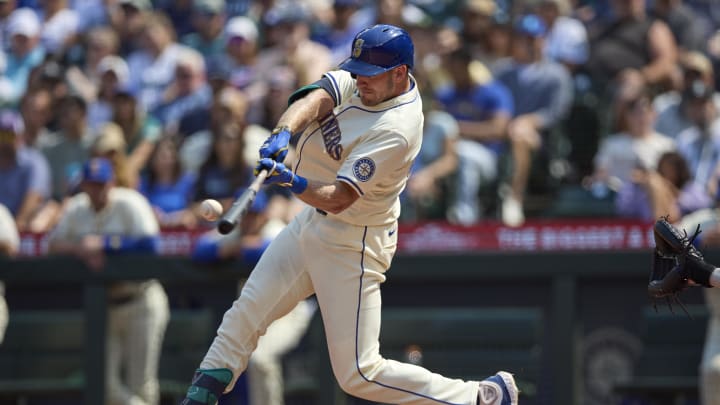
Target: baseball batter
{"x": 102, "y": 220}
{"x": 361, "y": 128}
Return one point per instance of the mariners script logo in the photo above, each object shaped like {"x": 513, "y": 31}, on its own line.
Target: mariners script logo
{"x": 357, "y": 47}
{"x": 330, "y": 130}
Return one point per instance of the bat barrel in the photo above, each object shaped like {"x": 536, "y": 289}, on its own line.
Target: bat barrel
{"x": 231, "y": 218}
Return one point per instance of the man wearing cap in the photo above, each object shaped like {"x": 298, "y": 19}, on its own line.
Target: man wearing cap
{"x": 208, "y": 19}
{"x": 674, "y": 107}
{"x": 101, "y": 221}
{"x": 543, "y": 92}
{"x": 25, "y": 52}
{"x": 358, "y": 131}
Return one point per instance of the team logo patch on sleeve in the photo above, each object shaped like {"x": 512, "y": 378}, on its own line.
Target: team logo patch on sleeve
{"x": 363, "y": 169}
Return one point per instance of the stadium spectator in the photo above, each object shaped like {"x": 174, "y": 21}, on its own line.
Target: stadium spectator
{"x": 106, "y": 220}
{"x": 60, "y": 27}
{"x": 139, "y": 129}
{"x": 25, "y": 51}
{"x": 84, "y": 77}
{"x": 225, "y": 169}
{"x": 6, "y": 8}
{"x": 229, "y": 107}
{"x": 187, "y": 91}
{"x": 128, "y": 18}
{"x": 483, "y": 108}
{"x": 347, "y": 17}
{"x": 567, "y": 39}
{"x": 674, "y": 107}
{"x": 9, "y": 246}
{"x": 668, "y": 191}
{"x": 152, "y": 67}
{"x": 71, "y": 149}
{"x": 241, "y": 58}
{"x": 288, "y": 34}
{"x": 24, "y": 173}
{"x": 427, "y": 190}
{"x": 478, "y": 24}
{"x": 180, "y": 12}
{"x": 281, "y": 83}
{"x": 113, "y": 75}
{"x": 208, "y": 20}
{"x": 689, "y": 28}
{"x": 110, "y": 144}
{"x": 168, "y": 189}
{"x": 542, "y": 91}
{"x": 700, "y": 143}
{"x": 635, "y": 146}
{"x": 633, "y": 40}
{"x": 35, "y": 110}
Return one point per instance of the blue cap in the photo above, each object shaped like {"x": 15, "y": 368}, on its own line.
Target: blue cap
{"x": 378, "y": 49}
{"x": 530, "y": 25}
{"x": 97, "y": 170}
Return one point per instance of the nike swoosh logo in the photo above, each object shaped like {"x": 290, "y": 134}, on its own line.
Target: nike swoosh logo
{"x": 391, "y": 233}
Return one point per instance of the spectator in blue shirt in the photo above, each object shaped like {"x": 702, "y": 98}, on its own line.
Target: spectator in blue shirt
{"x": 169, "y": 190}
{"x": 225, "y": 169}
{"x": 483, "y": 108}
{"x": 187, "y": 92}
{"x": 543, "y": 91}
{"x": 24, "y": 173}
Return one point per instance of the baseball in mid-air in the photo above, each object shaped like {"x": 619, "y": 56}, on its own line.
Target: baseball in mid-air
{"x": 211, "y": 209}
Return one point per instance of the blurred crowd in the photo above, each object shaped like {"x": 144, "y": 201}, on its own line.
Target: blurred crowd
{"x": 533, "y": 107}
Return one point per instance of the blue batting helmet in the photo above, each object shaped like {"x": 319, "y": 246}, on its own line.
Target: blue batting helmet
{"x": 378, "y": 49}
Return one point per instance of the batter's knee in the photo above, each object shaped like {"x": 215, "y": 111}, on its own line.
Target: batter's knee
{"x": 358, "y": 379}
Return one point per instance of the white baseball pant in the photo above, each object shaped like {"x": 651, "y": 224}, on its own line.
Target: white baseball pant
{"x": 344, "y": 266}
{"x": 135, "y": 335}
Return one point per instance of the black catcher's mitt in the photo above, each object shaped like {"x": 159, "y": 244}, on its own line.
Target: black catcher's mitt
{"x": 675, "y": 261}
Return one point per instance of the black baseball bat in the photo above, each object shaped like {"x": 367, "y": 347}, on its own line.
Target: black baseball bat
{"x": 231, "y": 218}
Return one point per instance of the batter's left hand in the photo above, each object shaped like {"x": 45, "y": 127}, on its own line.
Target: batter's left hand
{"x": 278, "y": 172}
{"x": 276, "y": 146}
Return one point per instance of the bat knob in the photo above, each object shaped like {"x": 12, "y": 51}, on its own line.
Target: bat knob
{"x": 225, "y": 226}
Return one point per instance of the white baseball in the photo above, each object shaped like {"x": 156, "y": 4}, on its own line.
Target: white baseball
{"x": 211, "y": 209}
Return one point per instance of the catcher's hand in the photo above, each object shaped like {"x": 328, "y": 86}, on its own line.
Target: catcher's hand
{"x": 674, "y": 260}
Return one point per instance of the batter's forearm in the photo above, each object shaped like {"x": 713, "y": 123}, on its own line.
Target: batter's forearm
{"x": 333, "y": 198}
{"x": 302, "y": 112}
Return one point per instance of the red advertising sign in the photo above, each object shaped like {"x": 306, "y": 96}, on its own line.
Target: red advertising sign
{"x": 438, "y": 237}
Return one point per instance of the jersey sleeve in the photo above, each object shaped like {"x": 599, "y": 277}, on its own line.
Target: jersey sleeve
{"x": 342, "y": 85}
{"x": 370, "y": 161}
{"x": 338, "y": 83}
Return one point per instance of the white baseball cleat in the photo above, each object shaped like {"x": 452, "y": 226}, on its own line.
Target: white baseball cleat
{"x": 499, "y": 389}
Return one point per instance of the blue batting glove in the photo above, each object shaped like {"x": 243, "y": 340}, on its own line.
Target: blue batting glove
{"x": 279, "y": 174}
{"x": 276, "y": 146}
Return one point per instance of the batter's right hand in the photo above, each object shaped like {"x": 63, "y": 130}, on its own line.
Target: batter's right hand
{"x": 276, "y": 146}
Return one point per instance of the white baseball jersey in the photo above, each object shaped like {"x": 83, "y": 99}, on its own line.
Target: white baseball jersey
{"x": 136, "y": 327}
{"x": 128, "y": 213}
{"x": 370, "y": 148}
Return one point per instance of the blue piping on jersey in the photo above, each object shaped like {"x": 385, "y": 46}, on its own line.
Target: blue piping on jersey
{"x": 297, "y": 165}
{"x": 352, "y": 183}
{"x": 357, "y": 329}
{"x": 378, "y": 111}
{"x": 336, "y": 88}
